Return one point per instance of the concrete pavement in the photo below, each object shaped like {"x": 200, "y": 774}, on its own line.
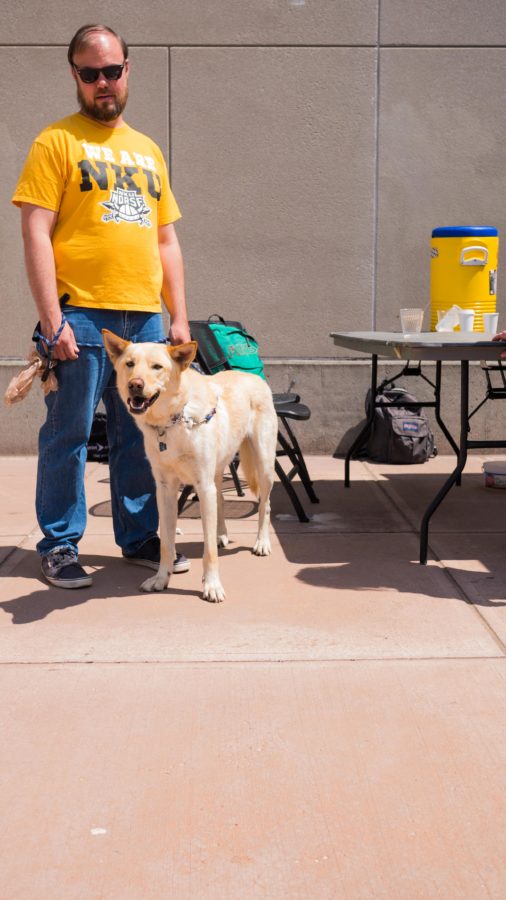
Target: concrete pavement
{"x": 335, "y": 729}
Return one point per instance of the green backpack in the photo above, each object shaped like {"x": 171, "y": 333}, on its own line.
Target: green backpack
{"x": 239, "y": 347}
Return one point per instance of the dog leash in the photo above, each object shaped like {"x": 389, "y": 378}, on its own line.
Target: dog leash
{"x": 190, "y": 421}
{"x": 50, "y": 345}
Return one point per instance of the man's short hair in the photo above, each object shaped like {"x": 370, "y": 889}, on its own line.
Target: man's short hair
{"x": 82, "y": 39}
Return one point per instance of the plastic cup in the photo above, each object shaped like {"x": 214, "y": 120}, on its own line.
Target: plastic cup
{"x": 466, "y": 319}
{"x": 411, "y": 321}
{"x": 490, "y": 321}
{"x": 441, "y": 314}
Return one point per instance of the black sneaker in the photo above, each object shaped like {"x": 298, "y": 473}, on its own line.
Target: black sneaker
{"x": 149, "y": 555}
{"x": 61, "y": 568}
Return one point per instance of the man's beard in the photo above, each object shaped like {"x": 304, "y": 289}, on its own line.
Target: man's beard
{"x": 103, "y": 112}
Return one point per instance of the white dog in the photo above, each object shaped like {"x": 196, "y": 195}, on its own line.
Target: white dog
{"x": 193, "y": 425}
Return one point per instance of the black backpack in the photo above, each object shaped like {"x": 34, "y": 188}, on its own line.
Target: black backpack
{"x": 400, "y": 435}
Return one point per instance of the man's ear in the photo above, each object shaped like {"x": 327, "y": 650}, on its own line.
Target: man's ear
{"x": 114, "y": 345}
{"x": 183, "y": 354}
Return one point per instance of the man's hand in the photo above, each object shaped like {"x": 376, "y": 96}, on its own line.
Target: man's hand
{"x": 65, "y": 347}
{"x": 501, "y": 337}
{"x": 179, "y": 333}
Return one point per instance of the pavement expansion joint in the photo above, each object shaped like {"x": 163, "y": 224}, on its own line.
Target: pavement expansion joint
{"x": 266, "y": 663}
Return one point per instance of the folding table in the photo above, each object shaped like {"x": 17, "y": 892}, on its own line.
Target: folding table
{"x": 439, "y": 347}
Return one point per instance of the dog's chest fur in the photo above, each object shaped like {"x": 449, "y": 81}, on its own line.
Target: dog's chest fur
{"x": 187, "y": 445}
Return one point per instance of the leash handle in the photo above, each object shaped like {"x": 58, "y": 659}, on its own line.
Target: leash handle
{"x": 50, "y": 344}
{"x": 37, "y": 334}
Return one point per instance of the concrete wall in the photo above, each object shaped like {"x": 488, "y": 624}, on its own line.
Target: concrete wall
{"x": 313, "y": 146}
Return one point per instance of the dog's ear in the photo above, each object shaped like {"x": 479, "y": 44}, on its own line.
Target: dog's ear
{"x": 183, "y": 354}
{"x": 113, "y": 344}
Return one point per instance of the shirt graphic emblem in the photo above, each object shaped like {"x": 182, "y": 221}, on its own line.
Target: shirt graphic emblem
{"x": 127, "y": 206}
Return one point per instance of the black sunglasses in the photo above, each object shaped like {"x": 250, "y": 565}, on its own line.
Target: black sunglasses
{"x": 90, "y": 75}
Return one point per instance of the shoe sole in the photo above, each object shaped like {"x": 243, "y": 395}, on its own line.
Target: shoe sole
{"x": 178, "y": 569}
{"x": 69, "y": 583}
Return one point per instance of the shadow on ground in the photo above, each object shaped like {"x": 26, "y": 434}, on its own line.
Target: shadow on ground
{"x": 112, "y": 578}
{"x": 360, "y": 539}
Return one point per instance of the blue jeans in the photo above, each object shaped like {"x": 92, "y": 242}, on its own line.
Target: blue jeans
{"x": 82, "y": 383}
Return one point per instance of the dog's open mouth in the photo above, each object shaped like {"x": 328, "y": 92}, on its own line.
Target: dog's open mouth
{"x": 140, "y": 404}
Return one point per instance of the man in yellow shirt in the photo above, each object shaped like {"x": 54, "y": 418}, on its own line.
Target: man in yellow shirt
{"x": 98, "y": 219}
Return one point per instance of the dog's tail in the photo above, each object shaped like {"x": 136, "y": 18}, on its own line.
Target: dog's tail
{"x": 248, "y": 465}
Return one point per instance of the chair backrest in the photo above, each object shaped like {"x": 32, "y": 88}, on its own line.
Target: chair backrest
{"x": 209, "y": 353}
{"x": 225, "y": 345}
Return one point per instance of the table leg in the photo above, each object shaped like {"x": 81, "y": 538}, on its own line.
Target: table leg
{"x": 437, "y": 411}
{"x": 361, "y": 437}
{"x": 461, "y": 461}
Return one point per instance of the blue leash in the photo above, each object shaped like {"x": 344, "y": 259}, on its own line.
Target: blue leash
{"x": 50, "y": 345}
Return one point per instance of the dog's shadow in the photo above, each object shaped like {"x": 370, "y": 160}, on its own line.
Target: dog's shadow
{"x": 113, "y": 578}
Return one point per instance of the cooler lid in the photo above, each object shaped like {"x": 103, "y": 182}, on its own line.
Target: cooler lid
{"x": 466, "y": 231}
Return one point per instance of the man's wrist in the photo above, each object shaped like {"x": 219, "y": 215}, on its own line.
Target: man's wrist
{"x": 179, "y": 322}
{"x": 50, "y": 325}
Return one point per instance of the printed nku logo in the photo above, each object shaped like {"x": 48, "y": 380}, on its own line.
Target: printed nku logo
{"x": 126, "y": 206}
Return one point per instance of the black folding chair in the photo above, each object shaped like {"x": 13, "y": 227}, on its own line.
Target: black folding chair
{"x": 212, "y": 359}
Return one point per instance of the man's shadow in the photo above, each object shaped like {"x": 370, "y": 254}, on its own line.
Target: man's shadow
{"x": 38, "y": 604}
{"x": 115, "y": 578}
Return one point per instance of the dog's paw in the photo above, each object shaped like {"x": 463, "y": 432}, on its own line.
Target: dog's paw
{"x": 262, "y": 547}
{"x": 155, "y": 583}
{"x": 212, "y": 591}
{"x": 223, "y": 540}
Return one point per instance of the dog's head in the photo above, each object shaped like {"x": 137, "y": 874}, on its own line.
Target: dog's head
{"x": 144, "y": 371}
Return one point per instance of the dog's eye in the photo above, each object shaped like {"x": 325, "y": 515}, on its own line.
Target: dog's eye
{"x": 130, "y": 363}
{"x": 156, "y": 366}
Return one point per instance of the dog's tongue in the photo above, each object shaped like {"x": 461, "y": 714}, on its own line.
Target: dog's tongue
{"x": 141, "y": 404}
{"x": 138, "y": 404}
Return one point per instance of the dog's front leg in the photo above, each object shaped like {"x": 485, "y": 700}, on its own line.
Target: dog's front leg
{"x": 212, "y": 587}
{"x": 166, "y": 498}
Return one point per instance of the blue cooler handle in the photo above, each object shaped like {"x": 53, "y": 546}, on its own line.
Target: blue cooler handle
{"x": 473, "y": 260}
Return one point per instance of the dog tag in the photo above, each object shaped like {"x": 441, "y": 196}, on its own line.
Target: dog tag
{"x": 161, "y": 446}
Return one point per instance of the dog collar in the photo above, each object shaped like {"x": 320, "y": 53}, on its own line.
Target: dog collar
{"x": 184, "y": 419}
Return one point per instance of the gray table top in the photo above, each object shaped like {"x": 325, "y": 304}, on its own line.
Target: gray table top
{"x": 455, "y": 345}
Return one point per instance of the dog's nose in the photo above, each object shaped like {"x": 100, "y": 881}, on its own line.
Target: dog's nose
{"x": 136, "y": 385}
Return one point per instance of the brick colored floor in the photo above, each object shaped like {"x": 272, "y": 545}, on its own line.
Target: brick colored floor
{"x": 335, "y": 729}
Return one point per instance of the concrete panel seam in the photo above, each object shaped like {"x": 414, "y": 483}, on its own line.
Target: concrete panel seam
{"x": 246, "y": 661}
{"x": 192, "y": 46}
{"x": 375, "y": 199}
{"x": 394, "y": 46}
{"x": 442, "y": 46}
{"x": 12, "y": 361}
{"x": 169, "y": 117}
{"x": 353, "y": 361}
{"x": 274, "y": 46}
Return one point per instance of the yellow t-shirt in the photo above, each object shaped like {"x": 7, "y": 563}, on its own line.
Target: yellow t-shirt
{"x": 111, "y": 191}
